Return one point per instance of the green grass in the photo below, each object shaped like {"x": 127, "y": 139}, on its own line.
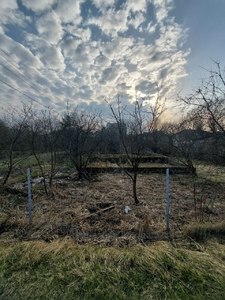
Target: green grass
{"x": 63, "y": 270}
{"x": 205, "y": 231}
{"x": 213, "y": 173}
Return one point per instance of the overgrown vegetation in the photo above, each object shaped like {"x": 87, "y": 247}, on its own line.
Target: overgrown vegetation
{"x": 205, "y": 231}
{"x": 62, "y": 270}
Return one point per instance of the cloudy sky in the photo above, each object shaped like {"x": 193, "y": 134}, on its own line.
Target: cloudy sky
{"x": 83, "y": 51}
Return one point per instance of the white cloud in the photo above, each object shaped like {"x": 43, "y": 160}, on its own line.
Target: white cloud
{"x": 115, "y": 21}
{"x": 137, "y": 6}
{"x": 102, "y": 61}
{"x": 38, "y": 6}
{"x": 151, "y": 28}
{"x": 9, "y": 13}
{"x": 83, "y": 34}
{"x": 117, "y": 48}
{"x": 80, "y": 55}
{"x": 53, "y": 58}
{"x": 49, "y": 54}
{"x": 111, "y": 22}
{"x": 69, "y": 11}
{"x": 49, "y": 27}
{"x": 7, "y": 5}
{"x": 21, "y": 55}
{"x": 65, "y": 63}
{"x": 69, "y": 45}
{"x": 137, "y": 20}
{"x": 103, "y": 4}
{"x": 162, "y": 8}
{"x": 112, "y": 74}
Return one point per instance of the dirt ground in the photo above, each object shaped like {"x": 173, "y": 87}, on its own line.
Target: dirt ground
{"x": 94, "y": 212}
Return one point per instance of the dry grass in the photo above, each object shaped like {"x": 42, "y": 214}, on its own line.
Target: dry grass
{"x": 76, "y": 210}
{"x": 95, "y": 254}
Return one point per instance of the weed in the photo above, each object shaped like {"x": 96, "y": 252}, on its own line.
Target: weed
{"x": 63, "y": 270}
{"x": 205, "y": 231}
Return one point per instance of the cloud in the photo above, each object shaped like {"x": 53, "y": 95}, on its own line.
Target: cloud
{"x": 20, "y": 54}
{"x": 137, "y": 20}
{"x": 117, "y": 48}
{"x": 38, "y": 6}
{"x": 162, "y": 8}
{"x": 73, "y": 51}
{"x": 83, "y": 34}
{"x": 137, "y": 6}
{"x": 27, "y": 73}
{"x": 9, "y": 13}
{"x": 146, "y": 87}
{"x": 69, "y": 11}
{"x": 8, "y": 6}
{"x": 150, "y": 28}
{"x": 50, "y": 55}
{"x": 111, "y": 22}
{"x": 49, "y": 27}
{"x": 103, "y": 5}
{"x": 112, "y": 74}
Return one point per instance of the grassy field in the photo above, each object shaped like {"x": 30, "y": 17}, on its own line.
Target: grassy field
{"x": 75, "y": 250}
{"x": 213, "y": 173}
{"x": 64, "y": 270}
{"x": 76, "y": 210}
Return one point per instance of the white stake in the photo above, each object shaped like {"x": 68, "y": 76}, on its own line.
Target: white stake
{"x": 168, "y": 200}
{"x": 29, "y": 204}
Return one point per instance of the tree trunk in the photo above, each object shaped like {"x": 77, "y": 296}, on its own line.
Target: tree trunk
{"x": 39, "y": 164}
{"x": 7, "y": 175}
{"x": 51, "y": 170}
{"x": 10, "y": 166}
{"x": 136, "y": 201}
{"x": 42, "y": 172}
{"x": 191, "y": 168}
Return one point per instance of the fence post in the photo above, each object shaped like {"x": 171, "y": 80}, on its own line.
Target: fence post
{"x": 29, "y": 203}
{"x": 168, "y": 200}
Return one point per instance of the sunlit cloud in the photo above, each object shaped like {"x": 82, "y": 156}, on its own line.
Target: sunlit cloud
{"x": 85, "y": 51}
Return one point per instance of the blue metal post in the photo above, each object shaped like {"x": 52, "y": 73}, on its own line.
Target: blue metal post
{"x": 29, "y": 204}
{"x": 168, "y": 200}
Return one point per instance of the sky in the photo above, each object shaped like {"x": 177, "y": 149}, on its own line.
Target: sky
{"x": 82, "y": 52}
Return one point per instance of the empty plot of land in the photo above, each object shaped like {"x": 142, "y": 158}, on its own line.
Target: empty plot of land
{"x": 94, "y": 212}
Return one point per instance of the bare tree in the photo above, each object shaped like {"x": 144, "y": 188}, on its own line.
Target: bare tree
{"x": 78, "y": 129}
{"x": 36, "y": 140}
{"x": 44, "y": 129}
{"x": 207, "y": 106}
{"x": 17, "y": 123}
{"x": 51, "y": 134}
{"x": 133, "y": 125}
{"x": 183, "y": 143}
{"x": 208, "y": 101}
{"x": 4, "y": 135}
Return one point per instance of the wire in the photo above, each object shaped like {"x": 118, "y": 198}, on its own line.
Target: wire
{"x": 17, "y": 76}
{"x": 12, "y": 87}
{"x": 31, "y": 98}
{"x": 16, "y": 68}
